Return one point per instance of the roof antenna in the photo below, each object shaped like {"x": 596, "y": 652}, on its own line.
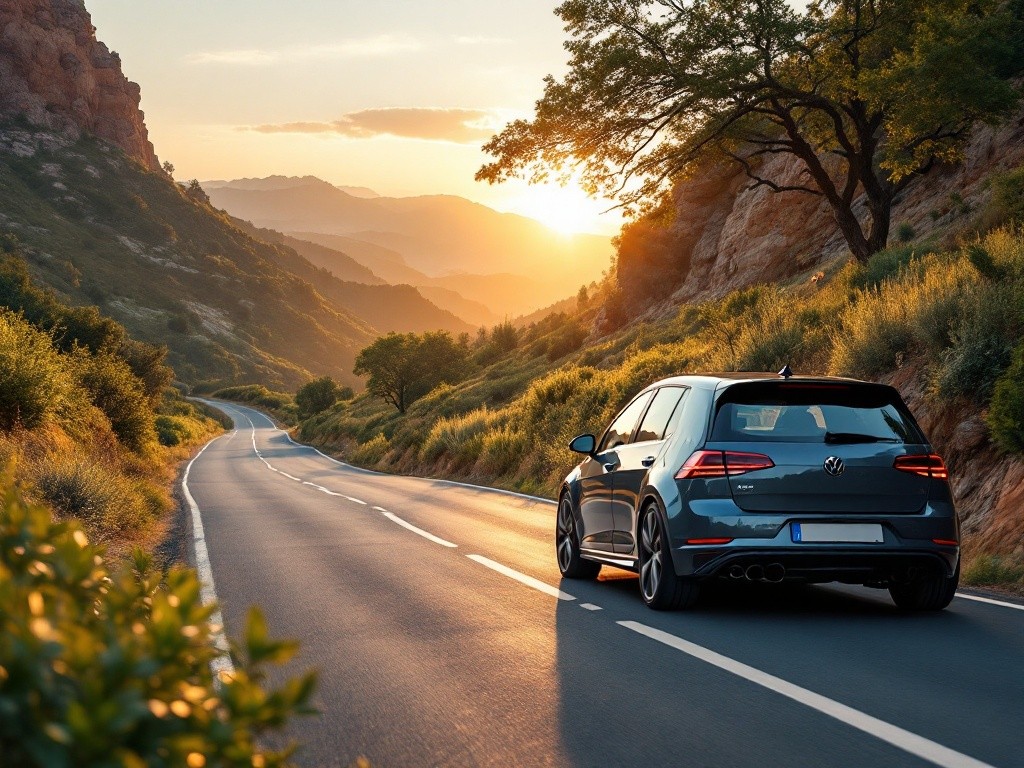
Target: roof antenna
{"x": 786, "y": 372}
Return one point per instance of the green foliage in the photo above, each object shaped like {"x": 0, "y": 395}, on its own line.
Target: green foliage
{"x": 372, "y": 452}
{"x": 1006, "y": 414}
{"x": 1008, "y": 195}
{"x": 316, "y": 396}
{"x": 34, "y": 381}
{"x": 101, "y": 668}
{"x": 994, "y": 570}
{"x": 565, "y": 340}
{"x": 655, "y": 89}
{"x": 106, "y": 502}
{"x": 281, "y": 404}
{"x": 404, "y": 367}
{"x": 905, "y": 232}
{"x": 116, "y": 391}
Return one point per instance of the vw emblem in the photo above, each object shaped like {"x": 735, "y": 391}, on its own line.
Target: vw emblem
{"x": 834, "y": 466}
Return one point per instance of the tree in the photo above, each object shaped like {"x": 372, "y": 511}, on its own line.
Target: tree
{"x": 168, "y": 167}
{"x": 866, "y": 94}
{"x": 316, "y": 396}
{"x": 404, "y": 367}
{"x": 582, "y": 297}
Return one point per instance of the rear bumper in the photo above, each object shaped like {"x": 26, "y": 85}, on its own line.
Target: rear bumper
{"x": 849, "y": 564}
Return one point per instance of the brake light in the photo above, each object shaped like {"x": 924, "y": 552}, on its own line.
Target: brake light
{"x": 926, "y": 465}
{"x": 707, "y": 464}
{"x": 947, "y": 542}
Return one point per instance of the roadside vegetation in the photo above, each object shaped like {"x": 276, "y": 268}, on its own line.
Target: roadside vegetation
{"x": 105, "y": 656}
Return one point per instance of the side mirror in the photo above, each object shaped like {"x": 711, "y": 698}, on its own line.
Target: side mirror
{"x": 584, "y": 444}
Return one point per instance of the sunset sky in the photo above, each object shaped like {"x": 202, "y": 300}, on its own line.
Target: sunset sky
{"x": 395, "y": 96}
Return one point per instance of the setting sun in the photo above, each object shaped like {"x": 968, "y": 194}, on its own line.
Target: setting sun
{"x": 565, "y": 209}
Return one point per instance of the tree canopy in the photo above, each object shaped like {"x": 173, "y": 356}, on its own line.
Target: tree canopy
{"x": 402, "y": 367}
{"x": 316, "y": 396}
{"x": 865, "y": 93}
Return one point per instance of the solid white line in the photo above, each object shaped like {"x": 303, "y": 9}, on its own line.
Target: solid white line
{"x": 291, "y": 477}
{"x": 331, "y": 493}
{"x": 898, "y": 737}
{"x": 522, "y": 578}
{"x": 357, "y": 501}
{"x": 1015, "y": 606}
{"x": 207, "y": 591}
{"x": 591, "y": 607}
{"x": 420, "y": 531}
{"x": 380, "y": 509}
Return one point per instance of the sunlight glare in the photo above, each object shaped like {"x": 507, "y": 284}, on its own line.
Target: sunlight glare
{"x": 566, "y": 210}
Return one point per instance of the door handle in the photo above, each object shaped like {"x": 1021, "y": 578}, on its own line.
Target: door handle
{"x": 610, "y": 467}
{"x": 648, "y": 462}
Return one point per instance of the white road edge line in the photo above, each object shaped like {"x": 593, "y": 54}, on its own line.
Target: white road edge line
{"x": 207, "y": 590}
{"x": 522, "y": 578}
{"x": 1015, "y": 606}
{"x": 357, "y": 501}
{"x": 894, "y": 735}
{"x": 420, "y": 531}
{"x": 291, "y": 477}
{"x": 380, "y": 509}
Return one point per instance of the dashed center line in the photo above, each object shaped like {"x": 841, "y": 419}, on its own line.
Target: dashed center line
{"x": 409, "y": 526}
{"x": 357, "y": 501}
{"x": 522, "y": 578}
{"x": 898, "y": 737}
{"x": 591, "y": 607}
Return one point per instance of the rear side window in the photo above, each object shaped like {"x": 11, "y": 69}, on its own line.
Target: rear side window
{"x": 621, "y": 429}
{"x": 813, "y": 413}
{"x": 655, "y": 425}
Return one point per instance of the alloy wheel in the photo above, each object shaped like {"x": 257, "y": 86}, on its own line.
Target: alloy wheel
{"x": 650, "y": 555}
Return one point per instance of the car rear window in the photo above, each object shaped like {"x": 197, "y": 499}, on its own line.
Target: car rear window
{"x": 813, "y": 413}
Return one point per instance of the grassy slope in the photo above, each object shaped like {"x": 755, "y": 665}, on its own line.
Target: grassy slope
{"x": 936, "y": 325}
{"x": 101, "y": 230}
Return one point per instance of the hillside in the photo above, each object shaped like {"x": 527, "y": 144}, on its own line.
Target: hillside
{"x": 102, "y": 230}
{"x": 441, "y": 236}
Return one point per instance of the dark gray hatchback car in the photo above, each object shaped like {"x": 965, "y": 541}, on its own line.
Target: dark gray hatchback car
{"x": 762, "y": 477}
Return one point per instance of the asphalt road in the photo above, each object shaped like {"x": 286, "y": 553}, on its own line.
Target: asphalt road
{"x": 444, "y": 635}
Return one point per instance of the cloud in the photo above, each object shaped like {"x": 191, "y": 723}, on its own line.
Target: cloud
{"x": 369, "y": 47}
{"x": 460, "y": 126}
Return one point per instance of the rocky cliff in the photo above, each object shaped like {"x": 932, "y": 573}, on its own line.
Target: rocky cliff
{"x": 57, "y": 75}
{"x": 734, "y": 236}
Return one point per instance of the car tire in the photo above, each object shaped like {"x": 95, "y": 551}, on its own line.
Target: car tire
{"x": 929, "y": 593}
{"x": 660, "y": 586}
{"x": 567, "y": 545}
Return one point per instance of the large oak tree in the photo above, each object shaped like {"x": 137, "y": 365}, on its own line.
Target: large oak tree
{"x": 865, "y": 93}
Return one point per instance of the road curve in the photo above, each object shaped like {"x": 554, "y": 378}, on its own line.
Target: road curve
{"x": 444, "y": 635}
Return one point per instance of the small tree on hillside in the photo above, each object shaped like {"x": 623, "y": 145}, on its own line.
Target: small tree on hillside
{"x": 316, "y": 396}
{"x": 403, "y": 367}
{"x": 864, "y": 93}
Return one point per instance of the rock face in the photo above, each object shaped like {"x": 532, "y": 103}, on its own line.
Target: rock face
{"x": 57, "y": 75}
{"x": 734, "y": 236}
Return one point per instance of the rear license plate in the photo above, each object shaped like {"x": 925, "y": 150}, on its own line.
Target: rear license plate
{"x": 837, "y": 533}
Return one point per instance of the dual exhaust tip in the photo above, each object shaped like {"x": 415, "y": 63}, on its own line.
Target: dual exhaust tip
{"x": 772, "y": 573}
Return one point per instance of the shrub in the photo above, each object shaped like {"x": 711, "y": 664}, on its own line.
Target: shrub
{"x": 1006, "y": 414}
{"x": 905, "y": 232}
{"x": 117, "y": 392}
{"x": 567, "y": 339}
{"x": 884, "y": 265}
{"x": 372, "y": 452}
{"x": 172, "y": 430}
{"x": 1008, "y": 195}
{"x": 994, "y": 570}
{"x": 772, "y": 335}
{"x": 107, "y": 668}
{"x": 34, "y": 383}
{"x": 105, "y": 501}
{"x": 503, "y": 450}
{"x": 459, "y": 437}
{"x": 914, "y": 311}
{"x": 316, "y": 396}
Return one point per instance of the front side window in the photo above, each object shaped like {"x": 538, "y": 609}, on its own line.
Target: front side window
{"x": 621, "y": 429}
{"x": 657, "y": 420}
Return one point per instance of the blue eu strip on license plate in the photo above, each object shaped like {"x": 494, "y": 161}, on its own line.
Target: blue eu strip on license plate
{"x": 797, "y": 533}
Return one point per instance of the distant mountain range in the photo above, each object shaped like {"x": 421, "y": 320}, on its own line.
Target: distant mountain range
{"x": 508, "y": 263}
{"x": 286, "y": 182}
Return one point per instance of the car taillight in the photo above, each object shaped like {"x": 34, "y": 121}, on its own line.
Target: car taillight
{"x": 708, "y": 464}
{"x": 925, "y": 465}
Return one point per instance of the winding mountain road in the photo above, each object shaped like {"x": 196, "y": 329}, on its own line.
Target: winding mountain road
{"x": 444, "y": 635}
